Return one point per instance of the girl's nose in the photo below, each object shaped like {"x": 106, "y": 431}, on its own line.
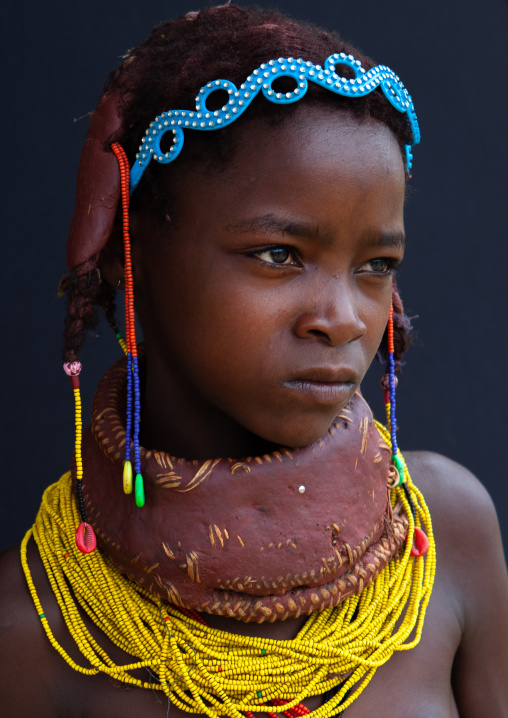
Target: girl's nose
{"x": 332, "y": 315}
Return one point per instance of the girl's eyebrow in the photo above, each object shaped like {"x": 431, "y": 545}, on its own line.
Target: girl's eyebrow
{"x": 377, "y": 238}
{"x": 274, "y": 224}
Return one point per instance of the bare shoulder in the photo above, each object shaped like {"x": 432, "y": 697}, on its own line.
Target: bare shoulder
{"x": 19, "y": 623}
{"x": 464, "y": 519}
{"x": 471, "y": 573}
{"x": 443, "y": 479}
{"x": 27, "y": 663}
{"x": 463, "y": 513}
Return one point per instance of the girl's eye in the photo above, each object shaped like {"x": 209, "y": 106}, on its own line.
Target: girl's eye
{"x": 276, "y": 255}
{"x": 379, "y": 265}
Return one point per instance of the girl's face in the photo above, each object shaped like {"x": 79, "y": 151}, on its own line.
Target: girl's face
{"x": 266, "y": 301}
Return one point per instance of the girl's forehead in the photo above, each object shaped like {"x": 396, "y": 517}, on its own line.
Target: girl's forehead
{"x": 313, "y": 140}
{"x": 319, "y": 172}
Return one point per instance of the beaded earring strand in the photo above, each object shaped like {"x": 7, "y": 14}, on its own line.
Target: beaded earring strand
{"x": 85, "y": 535}
{"x": 120, "y": 338}
{"x": 133, "y": 414}
{"x": 389, "y": 383}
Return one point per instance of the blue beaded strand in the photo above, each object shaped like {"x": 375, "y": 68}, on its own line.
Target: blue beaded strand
{"x": 393, "y": 419}
{"x": 139, "y": 491}
{"x": 136, "y": 415}
{"x": 128, "y": 419}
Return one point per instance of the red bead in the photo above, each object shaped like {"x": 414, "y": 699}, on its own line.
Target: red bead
{"x": 420, "y": 543}
{"x": 387, "y": 397}
{"x": 219, "y": 669}
{"x": 75, "y": 382}
{"x": 85, "y": 538}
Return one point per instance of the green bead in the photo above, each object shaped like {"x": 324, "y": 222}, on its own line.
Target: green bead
{"x": 259, "y": 694}
{"x": 400, "y": 468}
{"x": 139, "y": 491}
{"x": 263, "y": 651}
{"x": 118, "y": 335}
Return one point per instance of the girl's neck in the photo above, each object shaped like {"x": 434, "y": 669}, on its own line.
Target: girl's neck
{"x": 186, "y": 426}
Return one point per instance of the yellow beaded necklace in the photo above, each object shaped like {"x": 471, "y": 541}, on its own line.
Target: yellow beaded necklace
{"x": 212, "y": 672}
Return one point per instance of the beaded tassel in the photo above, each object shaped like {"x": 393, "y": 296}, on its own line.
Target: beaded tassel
{"x": 118, "y": 334}
{"x": 133, "y": 386}
{"x": 390, "y": 402}
{"x": 120, "y": 339}
{"x": 420, "y": 542}
{"x": 85, "y": 535}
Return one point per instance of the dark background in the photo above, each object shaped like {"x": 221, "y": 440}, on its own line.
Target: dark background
{"x": 450, "y": 54}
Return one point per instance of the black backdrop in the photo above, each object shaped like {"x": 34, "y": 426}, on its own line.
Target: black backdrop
{"x": 450, "y": 54}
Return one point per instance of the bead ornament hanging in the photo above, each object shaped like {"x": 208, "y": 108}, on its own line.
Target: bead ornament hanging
{"x": 208, "y": 671}
{"x": 85, "y": 535}
{"x": 132, "y": 477}
{"x": 397, "y": 476}
{"x": 389, "y": 384}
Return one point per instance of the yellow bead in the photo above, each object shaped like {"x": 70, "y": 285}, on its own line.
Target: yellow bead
{"x": 355, "y": 638}
{"x": 127, "y": 477}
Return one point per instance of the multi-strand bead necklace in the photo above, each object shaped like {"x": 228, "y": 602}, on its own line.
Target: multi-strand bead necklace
{"x": 213, "y": 672}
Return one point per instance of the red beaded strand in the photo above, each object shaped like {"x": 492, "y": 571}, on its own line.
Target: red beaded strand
{"x": 130, "y": 330}
{"x": 295, "y": 712}
{"x": 191, "y": 613}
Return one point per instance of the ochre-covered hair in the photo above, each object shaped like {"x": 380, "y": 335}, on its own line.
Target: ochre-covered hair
{"x": 165, "y": 72}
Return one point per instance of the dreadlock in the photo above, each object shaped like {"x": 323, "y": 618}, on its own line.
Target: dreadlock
{"x": 166, "y": 71}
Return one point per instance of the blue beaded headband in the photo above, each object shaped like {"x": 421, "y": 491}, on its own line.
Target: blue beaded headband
{"x": 363, "y": 83}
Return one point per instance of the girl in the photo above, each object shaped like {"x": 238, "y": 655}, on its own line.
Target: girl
{"x": 286, "y": 562}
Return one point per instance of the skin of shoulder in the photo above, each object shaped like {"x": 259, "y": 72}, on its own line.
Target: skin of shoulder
{"x": 31, "y": 671}
{"x": 470, "y": 560}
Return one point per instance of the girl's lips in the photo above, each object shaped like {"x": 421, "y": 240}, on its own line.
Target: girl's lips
{"x": 324, "y": 385}
{"x": 327, "y": 393}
